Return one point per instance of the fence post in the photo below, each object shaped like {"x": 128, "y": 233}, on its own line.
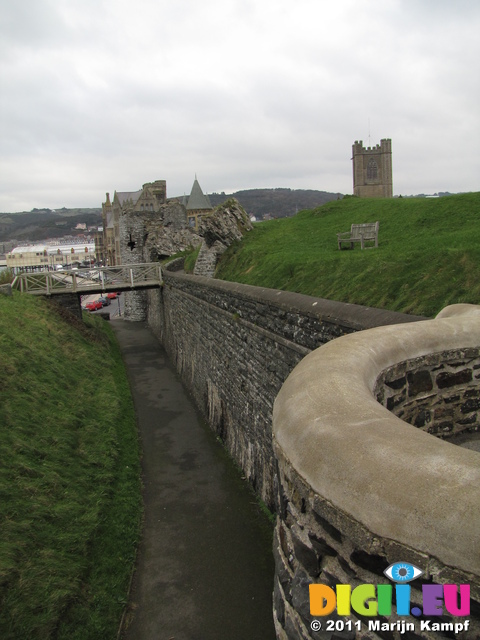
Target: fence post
{"x": 131, "y": 277}
{"x": 48, "y": 283}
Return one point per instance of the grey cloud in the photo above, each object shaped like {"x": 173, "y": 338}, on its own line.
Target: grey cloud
{"x": 98, "y": 95}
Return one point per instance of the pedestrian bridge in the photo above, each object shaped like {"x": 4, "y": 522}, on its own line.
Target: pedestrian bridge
{"x": 128, "y": 277}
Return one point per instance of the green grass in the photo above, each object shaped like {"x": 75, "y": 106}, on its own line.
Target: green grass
{"x": 189, "y": 255}
{"x": 70, "y": 503}
{"x": 6, "y": 276}
{"x": 190, "y": 258}
{"x": 428, "y": 254}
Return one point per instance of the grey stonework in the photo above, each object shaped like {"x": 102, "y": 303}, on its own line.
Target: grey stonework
{"x": 357, "y": 489}
{"x": 372, "y": 170}
{"x": 149, "y": 236}
{"x": 68, "y": 301}
{"x": 316, "y": 543}
{"x": 438, "y": 393}
{"x": 207, "y": 259}
{"x": 131, "y": 251}
{"x": 226, "y": 224}
{"x": 234, "y": 345}
{"x": 168, "y": 233}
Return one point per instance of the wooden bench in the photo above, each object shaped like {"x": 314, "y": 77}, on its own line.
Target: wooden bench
{"x": 367, "y": 232}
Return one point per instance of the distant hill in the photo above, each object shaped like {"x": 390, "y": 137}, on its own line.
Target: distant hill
{"x": 40, "y": 224}
{"x": 276, "y": 203}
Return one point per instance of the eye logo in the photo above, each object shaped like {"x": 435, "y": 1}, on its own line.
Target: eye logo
{"x": 402, "y": 572}
{"x": 377, "y": 600}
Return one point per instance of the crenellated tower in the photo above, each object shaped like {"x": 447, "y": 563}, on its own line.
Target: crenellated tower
{"x": 372, "y": 170}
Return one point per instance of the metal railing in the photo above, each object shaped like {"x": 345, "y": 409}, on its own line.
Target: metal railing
{"x": 121, "y": 277}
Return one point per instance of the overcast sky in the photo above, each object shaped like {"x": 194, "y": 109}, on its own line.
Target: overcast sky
{"x": 105, "y": 95}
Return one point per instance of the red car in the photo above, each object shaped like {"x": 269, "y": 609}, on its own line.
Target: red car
{"x": 94, "y": 306}
{"x": 112, "y": 295}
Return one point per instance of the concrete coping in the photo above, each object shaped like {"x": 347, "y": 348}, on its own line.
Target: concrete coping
{"x": 355, "y": 316}
{"x": 401, "y": 483}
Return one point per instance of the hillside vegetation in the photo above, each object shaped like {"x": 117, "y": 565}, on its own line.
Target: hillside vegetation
{"x": 40, "y": 224}
{"x": 69, "y": 476}
{"x": 278, "y": 203}
{"x": 428, "y": 254}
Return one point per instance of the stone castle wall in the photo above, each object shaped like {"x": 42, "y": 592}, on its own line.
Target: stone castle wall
{"x": 438, "y": 393}
{"x": 359, "y": 489}
{"x": 131, "y": 231}
{"x": 355, "y": 487}
{"x": 68, "y": 301}
{"x": 234, "y": 346}
{"x": 147, "y": 236}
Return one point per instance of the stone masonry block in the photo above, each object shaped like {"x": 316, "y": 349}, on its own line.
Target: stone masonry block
{"x": 448, "y": 379}
{"x": 419, "y": 382}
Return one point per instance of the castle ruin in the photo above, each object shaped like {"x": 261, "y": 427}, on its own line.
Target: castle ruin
{"x": 163, "y": 225}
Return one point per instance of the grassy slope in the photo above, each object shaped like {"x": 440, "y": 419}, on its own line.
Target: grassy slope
{"x": 69, "y": 479}
{"x": 428, "y": 254}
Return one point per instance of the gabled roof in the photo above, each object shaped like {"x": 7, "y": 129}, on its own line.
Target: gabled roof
{"x": 197, "y": 199}
{"x": 123, "y": 196}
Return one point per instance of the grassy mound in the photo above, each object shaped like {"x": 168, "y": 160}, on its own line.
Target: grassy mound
{"x": 428, "y": 254}
{"x": 69, "y": 480}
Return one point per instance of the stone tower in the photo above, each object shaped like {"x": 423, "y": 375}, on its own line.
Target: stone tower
{"x": 372, "y": 170}
{"x": 197, "y": 205}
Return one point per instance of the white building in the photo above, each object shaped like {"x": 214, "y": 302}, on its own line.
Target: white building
{"x": 48, "y": 256}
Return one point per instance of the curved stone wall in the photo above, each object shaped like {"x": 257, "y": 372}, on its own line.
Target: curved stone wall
{"x": 359, "y": 489}
{"x": 234, "y": 345}
{"x": 438, "y": 393}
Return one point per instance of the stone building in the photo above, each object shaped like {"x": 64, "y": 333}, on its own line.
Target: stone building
{"x": 144, "y": 226}
{"x": 372, "y": 170}
{"x": 149, "y": 198}
{"x": 197, "y": 205}
{"x": 167, "y": 219}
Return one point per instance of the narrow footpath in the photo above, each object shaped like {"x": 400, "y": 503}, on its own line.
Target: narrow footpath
{"x": 204, "y": 567}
